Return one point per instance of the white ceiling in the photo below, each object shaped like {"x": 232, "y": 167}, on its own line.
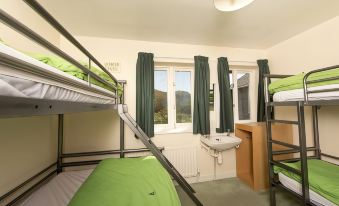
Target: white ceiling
{"x": 260, "y": 25}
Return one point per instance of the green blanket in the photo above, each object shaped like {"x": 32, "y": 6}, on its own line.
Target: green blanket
{"x": 69, "y": 68}
{"x": 323, "y": 178}
{"x": 296, "y": 82}
{"x": 65, "y": 66}
{"x": 128, "y": 181}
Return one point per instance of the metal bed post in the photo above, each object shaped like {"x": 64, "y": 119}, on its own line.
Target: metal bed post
{"x": 122, "y": 138}
{"x": 303, "y": 153}
{"x": 60, "y": 142}
{"x": 268, "y": 110}
{"x": 122, "y": 123}
{"x": 316, "y": 132}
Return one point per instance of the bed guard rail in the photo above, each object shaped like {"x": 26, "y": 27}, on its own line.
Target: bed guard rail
{"x": 307, "y": 82}
{"x": 18, "y": 26}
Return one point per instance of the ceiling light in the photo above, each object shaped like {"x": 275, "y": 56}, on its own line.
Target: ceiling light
{"x": 231, "y": 5}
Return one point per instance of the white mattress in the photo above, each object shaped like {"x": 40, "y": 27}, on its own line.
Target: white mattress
{"x": 298, "y": 94}
{"x": 296, "y": 187}
{"x": 18, "y": 82}
{"x": 58, "y": 191}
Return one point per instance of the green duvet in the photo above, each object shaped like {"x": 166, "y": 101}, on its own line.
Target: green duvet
{"x": 127, "y": 182}
{"x": 296, "y": 82}
{"x": 323, "y": 178}
{"x": 65, "y": 66}
{"x": 69, "y": 68}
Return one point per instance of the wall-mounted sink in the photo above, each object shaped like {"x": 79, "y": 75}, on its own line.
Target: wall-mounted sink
{"x": 220, "y": 142}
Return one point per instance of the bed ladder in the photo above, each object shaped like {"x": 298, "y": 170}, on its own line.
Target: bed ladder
{"x": 132, "y": 124}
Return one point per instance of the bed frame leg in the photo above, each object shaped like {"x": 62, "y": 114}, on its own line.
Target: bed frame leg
{"x": 316, "y": 131}
{"x": 122, "y": 138}
{"x": 60, "y": 142}
{"x": 268, "y": 116}
{"x": 270, "y": 156}
{"x": 303, "y": 154}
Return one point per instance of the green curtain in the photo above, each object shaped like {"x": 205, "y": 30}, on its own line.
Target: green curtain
{"x": 145, "y": 92}
{"x": 263, "y": 69}
{"x": 201, "y": 115}
{"x": 226, "y": 101}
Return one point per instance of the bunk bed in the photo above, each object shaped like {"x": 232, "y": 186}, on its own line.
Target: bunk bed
{"x": 29, "y": 87}
{"x": 309, "y": 176}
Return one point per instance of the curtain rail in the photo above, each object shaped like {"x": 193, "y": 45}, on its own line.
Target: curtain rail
{"x": 210, "y": 59}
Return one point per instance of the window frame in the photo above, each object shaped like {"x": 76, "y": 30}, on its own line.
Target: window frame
{"x": 173, "y": 126}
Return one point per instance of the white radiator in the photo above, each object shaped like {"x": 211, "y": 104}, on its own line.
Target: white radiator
{"x": 184, "y": 159}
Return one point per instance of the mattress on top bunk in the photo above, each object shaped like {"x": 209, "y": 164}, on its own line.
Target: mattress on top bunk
{"x": 128, "y": 181}
{"x": 298, "y": 94}
{"x": 18, "y": 87}
{"x": 296, "y": 81}
{"x": 19, "y": 83}
{"x": 323, "y": 178}
{"x": 63, "y": 65}
{"x": 58, "y": 191}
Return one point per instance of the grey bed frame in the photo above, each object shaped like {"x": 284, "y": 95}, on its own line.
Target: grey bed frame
{"x": 305, "y": 152}
{"x": 16, "y": 107}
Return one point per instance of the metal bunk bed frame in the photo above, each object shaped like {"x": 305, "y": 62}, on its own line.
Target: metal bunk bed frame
{"x": 9, "y": 107}
{"x": 302, "y": 148}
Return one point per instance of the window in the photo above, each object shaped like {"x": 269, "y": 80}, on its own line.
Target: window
{"x": 160, "y": 97}
{"x": 173, "y": 99}
{"x": 183, "y": 103}
{"x": 243, "y": 80}
{"x": 243, "y": 89}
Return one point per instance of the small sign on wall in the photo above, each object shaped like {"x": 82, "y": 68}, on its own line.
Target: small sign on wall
{"x": 113, "y": 67}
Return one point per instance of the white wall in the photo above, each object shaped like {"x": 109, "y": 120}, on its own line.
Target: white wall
{"x": 315, "y": 48}
{"x": 125, "y": 52}
{"x": 22, "y": 12}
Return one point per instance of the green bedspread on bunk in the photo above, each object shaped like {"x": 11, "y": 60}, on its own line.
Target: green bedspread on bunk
{"x": 296, "y": 82}
{"x": 63, "y": 65}
{"x": 127, "y": 182}
{"x": 323, "y": 178}
{"x": 69, "y": 68}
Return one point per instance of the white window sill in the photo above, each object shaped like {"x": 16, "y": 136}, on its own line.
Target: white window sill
{"x": 179, "y": 130}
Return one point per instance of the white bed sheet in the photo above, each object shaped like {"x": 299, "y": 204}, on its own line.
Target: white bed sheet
{"x": 58, "y": 191}
{"x": 298, "y": 94}
{"x": 20, "y": 83}
{"x": 296, "y": 187}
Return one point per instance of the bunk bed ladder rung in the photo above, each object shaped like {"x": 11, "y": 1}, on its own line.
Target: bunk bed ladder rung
{"x": 271, "y": 141}
{"x": 122, "y": 109}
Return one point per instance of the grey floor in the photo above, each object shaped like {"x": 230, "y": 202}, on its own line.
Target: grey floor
{"x": 232, "y": 192}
